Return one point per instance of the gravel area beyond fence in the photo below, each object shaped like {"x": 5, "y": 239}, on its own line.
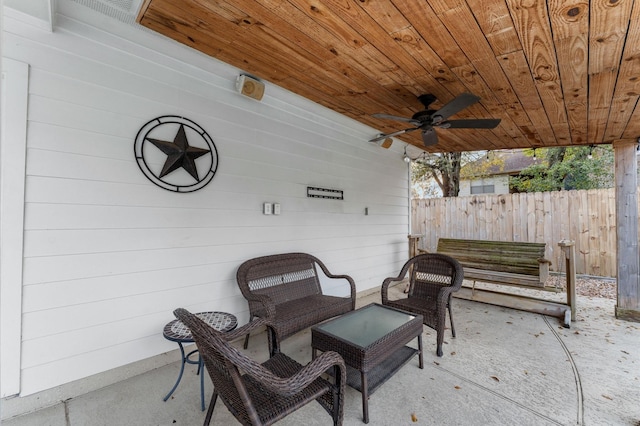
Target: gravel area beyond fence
{"x": 588, "y": 286}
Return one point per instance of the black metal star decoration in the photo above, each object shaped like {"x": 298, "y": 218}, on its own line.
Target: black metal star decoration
{"x": 179, "y": 154}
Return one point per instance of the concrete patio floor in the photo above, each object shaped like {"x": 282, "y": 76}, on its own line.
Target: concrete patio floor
{"x": 505, "y": 367}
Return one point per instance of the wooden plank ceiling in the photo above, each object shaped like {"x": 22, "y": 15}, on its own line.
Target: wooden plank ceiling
{"x": 560, "y": 72}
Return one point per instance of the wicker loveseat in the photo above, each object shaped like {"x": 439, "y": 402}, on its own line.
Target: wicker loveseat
{"x": 285, "y": 290}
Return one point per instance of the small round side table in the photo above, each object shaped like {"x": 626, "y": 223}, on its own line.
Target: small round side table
{"x": 177, "y": 332}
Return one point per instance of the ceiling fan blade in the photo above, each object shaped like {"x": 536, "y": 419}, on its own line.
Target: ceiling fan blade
{"x": 458, "y": 104}
{"x": 479, "y": 123}
{"x": 390, "y": 135}
{"x": 429, "y": 137}
{"x": 395, "y": 117}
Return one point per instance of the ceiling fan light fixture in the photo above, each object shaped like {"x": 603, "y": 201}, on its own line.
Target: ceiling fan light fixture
{"x": 382, "y": 140}
{"x": 386, "y": 143}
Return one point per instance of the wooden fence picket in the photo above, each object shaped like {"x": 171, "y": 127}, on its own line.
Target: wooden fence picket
{"x": 586, "y": 216}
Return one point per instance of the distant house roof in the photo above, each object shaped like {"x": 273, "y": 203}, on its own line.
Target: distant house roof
{"x": 504, "y": 162}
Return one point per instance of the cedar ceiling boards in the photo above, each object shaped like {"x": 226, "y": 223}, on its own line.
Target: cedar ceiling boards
{"x": 557, "y": 73}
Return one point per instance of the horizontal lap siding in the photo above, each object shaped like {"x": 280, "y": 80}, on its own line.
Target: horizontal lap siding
{"x": 108, "y": 255}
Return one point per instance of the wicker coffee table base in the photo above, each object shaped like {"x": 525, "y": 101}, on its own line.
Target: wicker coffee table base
{"x": 367, "y": 383}
{"x": 368, "y": 368}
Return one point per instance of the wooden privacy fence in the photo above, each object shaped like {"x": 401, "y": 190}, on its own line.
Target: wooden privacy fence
{"x": 587, "y": 217}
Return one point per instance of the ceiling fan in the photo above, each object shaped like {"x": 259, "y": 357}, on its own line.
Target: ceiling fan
{"x": 427, "y": 119}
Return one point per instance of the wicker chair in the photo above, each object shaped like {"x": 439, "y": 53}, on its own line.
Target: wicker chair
{"x": 286, "y": 290}
{"x": 261, "y": 394}
{"x": 433, "y": 278}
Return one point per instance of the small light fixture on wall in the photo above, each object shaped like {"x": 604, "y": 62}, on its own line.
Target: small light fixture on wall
{"x": 250, "y": 87}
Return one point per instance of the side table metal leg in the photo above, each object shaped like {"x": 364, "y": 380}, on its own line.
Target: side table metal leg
{"x": 184, "y": 359}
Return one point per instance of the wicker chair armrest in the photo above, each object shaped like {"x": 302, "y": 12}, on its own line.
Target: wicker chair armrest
{"x": 384, "y": 291}
{"x": 387, "y": 282}
{"x": 459, "y": 277}
{"x": 288, "y": 386}
{"x": 350, "y": 280}
{"x": 265, "y": 301}
{"x": 245, "y": 329}
{"x": 445, "y": 292}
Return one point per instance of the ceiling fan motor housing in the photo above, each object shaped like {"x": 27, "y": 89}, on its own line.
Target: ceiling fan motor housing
{"x": 423, "y": 115}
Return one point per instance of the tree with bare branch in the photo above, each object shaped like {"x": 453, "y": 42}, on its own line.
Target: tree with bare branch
{"x": 444, "y": 168}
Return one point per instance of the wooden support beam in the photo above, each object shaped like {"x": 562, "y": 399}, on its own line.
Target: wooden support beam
{"x": 514, "y": 301}
{"x": 414, "y": 243}
{"x": 628, "y": 270}
{"x": 569, "y": 250}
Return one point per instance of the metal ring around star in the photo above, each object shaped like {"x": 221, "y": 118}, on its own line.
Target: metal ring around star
{"x": 166, "y": 182}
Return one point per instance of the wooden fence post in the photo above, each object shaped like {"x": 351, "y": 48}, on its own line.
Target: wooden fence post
{"x": 414, "y": 240}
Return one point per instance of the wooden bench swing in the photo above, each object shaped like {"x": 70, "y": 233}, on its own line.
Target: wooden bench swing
{"x": 519, "y": 264}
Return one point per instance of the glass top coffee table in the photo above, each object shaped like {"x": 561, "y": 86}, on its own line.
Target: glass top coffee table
{"x": 372, "y": 340}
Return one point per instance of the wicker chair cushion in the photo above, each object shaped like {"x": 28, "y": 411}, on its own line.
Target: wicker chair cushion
{"x": 299, "y": 314}
{"x": 271, "y": 406}
{"x": 426, "y": 308}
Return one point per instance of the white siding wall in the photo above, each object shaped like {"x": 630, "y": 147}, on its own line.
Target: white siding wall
{"x": 108, "y": 255}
